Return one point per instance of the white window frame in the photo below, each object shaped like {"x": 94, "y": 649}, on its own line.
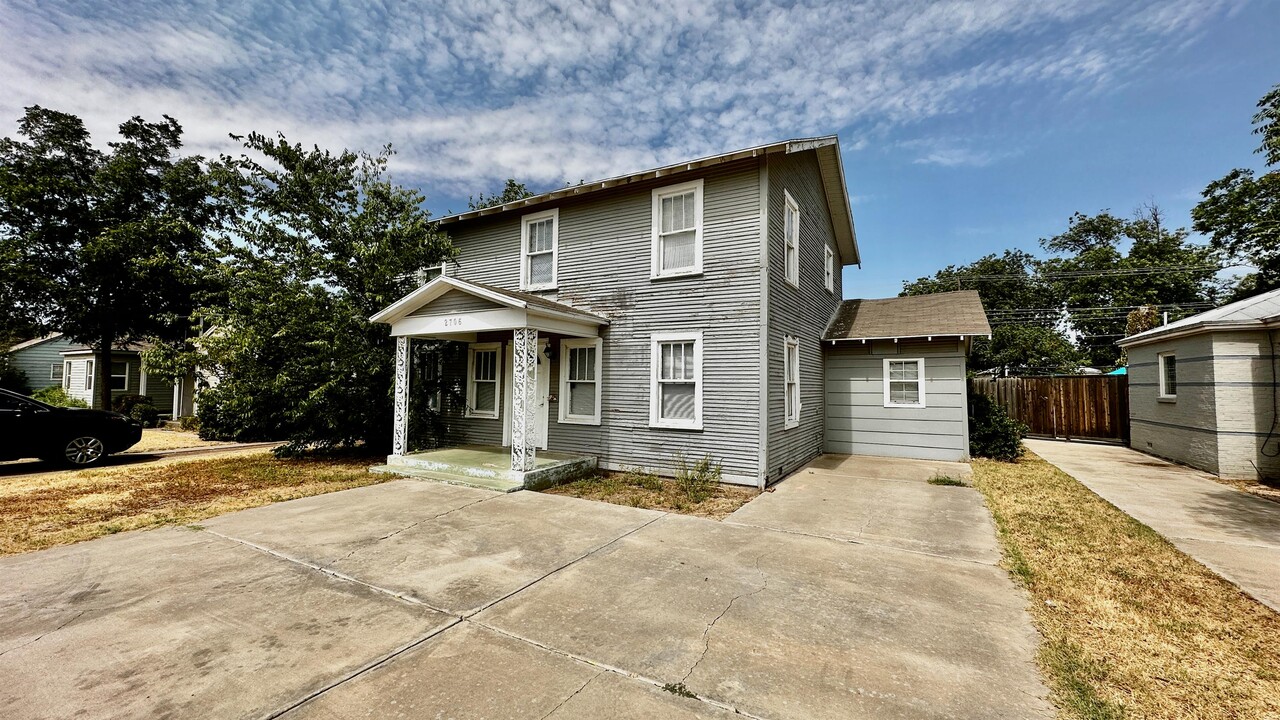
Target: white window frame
{"x": 1164, "y": 393}
{"x": 89, "y": 372}
{"x": 525, "y": 222}
{"x": 829, "y": 268}
{"x": 66, "y": 374}
{"x": 53, "y": 371}
{"x": 124, "y": 389}
{"x": 655, "y": 383}
{"x": 790, "y": 370}
{"x": 422, "y": 273}
{"x": 655, "y": 271}
{"x": 919, "y": 383}
{"x": 791, "y": 242}
{"x": 565, "y": 347}
{"x": 496, "y": 349}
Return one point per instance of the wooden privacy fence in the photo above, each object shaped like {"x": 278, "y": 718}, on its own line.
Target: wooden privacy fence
{"x": 1094, "y": 407}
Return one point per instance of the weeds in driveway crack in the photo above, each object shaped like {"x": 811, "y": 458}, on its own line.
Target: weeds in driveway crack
{"x": 706, "y": 640}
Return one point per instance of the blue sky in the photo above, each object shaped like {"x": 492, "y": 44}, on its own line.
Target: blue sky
{"x": 967, "y": 127}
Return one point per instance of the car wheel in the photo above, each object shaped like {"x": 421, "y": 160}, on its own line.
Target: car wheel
{"x": 84, "y": 450}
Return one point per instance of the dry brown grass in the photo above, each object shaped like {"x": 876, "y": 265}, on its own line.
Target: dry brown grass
{"x": 644, "y": 490}
{"x": 1132, "y": 627}
{"x": 1253, "y": 487}
{"x": 156, "y": 439}
{"x": 59, "y": 508}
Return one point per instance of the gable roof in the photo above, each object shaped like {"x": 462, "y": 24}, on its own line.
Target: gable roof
{"x": 1260, "y": 312}
{"x": 946, "y": 314}
{"x": 510, "y": 298}
{"x": 34, "y": 341}
{"x": 830, "y": 164}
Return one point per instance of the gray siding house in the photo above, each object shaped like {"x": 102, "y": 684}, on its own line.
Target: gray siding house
{"x": 679, "y": 312}
{"x": 1203, "y": 390}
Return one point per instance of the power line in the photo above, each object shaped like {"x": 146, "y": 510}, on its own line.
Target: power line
{"x": 1078, "y": 274}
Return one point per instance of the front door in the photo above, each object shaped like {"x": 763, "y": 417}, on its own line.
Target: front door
{"x": 542, "y": 406}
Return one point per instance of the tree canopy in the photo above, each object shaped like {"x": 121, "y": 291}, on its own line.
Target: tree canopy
{"x": 511, "y": 192}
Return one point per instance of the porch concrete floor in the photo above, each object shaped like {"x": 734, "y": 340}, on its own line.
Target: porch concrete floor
{"x": 430, "y": 600}
{"x": 486, "y": 466}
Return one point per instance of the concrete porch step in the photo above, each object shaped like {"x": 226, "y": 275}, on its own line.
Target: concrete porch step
{"x": 485, "y": 483}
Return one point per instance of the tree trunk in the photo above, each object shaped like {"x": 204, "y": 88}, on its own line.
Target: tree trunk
{"x": 104, "y": 373}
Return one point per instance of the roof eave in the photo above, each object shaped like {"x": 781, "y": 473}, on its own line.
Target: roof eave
{"x": 837, "y": 191}
{"x": 908, "y": 337}
{"x": 1152, "y": 336}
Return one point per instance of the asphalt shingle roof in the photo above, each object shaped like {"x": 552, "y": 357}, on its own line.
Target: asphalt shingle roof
{"x": 951, "y": 313}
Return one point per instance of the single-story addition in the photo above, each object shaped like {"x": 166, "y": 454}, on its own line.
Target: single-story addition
{"x": 1203, "y": 390}
{"x": 53, "y": 360}
{"x": 684, "y": 312}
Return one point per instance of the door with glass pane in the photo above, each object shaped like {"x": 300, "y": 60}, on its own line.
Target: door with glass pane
{"x": 541, "y": 404}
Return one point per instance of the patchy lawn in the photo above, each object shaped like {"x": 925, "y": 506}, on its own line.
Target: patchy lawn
{"x": 156, "y": 439}
{"x": 646, "y": 490}
{"x": 60, "y": 508}
{"x": 1132, "y": 627}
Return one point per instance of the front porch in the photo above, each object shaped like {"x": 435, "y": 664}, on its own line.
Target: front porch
{"x": 488, "y": 466}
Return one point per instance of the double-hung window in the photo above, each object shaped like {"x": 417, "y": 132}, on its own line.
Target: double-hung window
{"x": 539, "y": 237}
{"x": 675, "y": 397}
{"x": 904, "y": 383}
{"x": 119, "y": 375}
{"x": 89, "y": 373}
{"x": 791, "y": 380}
{"x": 1168, "y": 377}
{"x": 580, "y": 381}
{"x": 66, "y": 375}
{"x": 791, "y": 235}
{"x": 677, "y": 230}
{"x": 55, "y": 372}
{"x": 829, "y": 268}
{"x": 484, "y": 384}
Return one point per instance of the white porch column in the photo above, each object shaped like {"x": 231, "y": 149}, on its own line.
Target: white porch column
{"x": 524, "y": 389}
{"x": 400, "y": 430}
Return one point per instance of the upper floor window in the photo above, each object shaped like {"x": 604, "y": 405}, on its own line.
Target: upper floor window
{"x": 829, "y": 268}
{"x": 539, "y": 237}
{"x": 1168, "y": 376}
{"x": 580, "y": 381}
{"x": 429, "y": 273}
{"x": 484, "y": 370}
{"x": 904, "y": 383}
{"x": 791, "y": 379}
{"x": 675, "y": 391}
{"x": 791, "y": 235}
{"x": 677, "y": 230}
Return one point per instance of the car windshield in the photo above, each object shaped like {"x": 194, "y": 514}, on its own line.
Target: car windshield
{"x": 15, "y": 401}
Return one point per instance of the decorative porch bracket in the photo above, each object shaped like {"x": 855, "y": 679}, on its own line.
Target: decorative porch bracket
{"x": 524, "y": 384}
{"x": 400, "y": 430}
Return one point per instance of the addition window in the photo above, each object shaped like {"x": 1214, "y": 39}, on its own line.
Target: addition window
{"x": 829, "y": 269}
{"x": 675, "y": 397}
{"x": 580, "y": 381}
{"x": 89, "y": 372}
{"x": 539, "y": 236}
{"x": 1168, "y": 377}
{"x": 791, "y": 234}
{"x": 791, "y": 380}
{"x": 66, "y": 375}
{"x": 904, "y": 383}
{"x": 119, "y": 375}
{"x": 677, "y": 230}
{"x": 484, "y": 373}
{"x": 55, "y": 371}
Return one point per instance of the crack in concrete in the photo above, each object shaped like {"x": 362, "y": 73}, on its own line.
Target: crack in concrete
{"x": 573, "y": 695}
{"x": 408, "y": 527}
{"x": 37, "y": 638}
{"x": 706, "y": 640}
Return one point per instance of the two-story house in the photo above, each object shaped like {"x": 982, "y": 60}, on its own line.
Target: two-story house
{"x": 686, "y": 311}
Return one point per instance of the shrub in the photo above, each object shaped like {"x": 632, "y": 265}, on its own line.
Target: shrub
{"x": 11, "y": 378}
{"x": 189, "y": 423}
{"x": 123, "y": 404}
{"x": 697, "y": 480}
{"x": 145, "y": 413}
{"x": 992, "y": 433}
{"x": 56, "y": 396}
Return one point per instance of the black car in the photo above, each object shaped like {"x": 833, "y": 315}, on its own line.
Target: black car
{"x": 73, "y": 436}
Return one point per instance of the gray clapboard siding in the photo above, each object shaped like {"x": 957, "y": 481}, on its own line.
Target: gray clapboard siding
{"x": 37, "y": 360}
{"x": 857, "y": 422}
{"x": 802, "y": 312}
{"x": 455, "y": 301}
{"x": 603, "y": 262}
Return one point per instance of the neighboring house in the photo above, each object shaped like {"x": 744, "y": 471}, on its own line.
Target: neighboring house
{"x": 1203, "y": 390}
{"x": 687, "y": 311}
{"x": 55, "y": 360}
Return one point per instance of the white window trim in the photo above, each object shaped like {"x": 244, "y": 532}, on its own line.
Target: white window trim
{"x": 829, "y": 260}
{"x": 472, "y": 349}
{"x": 565, "y": 347}
{"x": 655, "y": 366}
{"x": 88, "y": 374}
{"x": 66, "y": 374}
{"x": 919, "y": 382}
{"x": 789, "y": 345}
{"x": 792, "y": 261}
{"x": 655, "y": 269}
{"x": 525, "y": 222}
{"x": 421, "y": 275}
{"x": 53, "y": 371}
{"x": 125, "y": 376}
{"x": 1163, "y": 394}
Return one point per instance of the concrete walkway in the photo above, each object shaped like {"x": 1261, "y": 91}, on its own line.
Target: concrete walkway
{"x": 1231, "y": 532}
{"x": 418, "y": 599}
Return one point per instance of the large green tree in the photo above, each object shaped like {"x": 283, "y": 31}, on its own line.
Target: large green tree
{"x": 105, "y": 246}
{"x": 319, "y": 243}
{"x": 1240, "y": 212}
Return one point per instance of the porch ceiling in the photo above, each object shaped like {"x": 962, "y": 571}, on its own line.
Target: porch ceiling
{"x": 489, "y": 308}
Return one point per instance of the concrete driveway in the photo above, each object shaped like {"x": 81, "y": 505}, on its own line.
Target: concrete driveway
{"x": 855, "y": 590}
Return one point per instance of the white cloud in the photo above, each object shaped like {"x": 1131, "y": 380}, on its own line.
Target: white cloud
{"x": 473, "y": 91}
